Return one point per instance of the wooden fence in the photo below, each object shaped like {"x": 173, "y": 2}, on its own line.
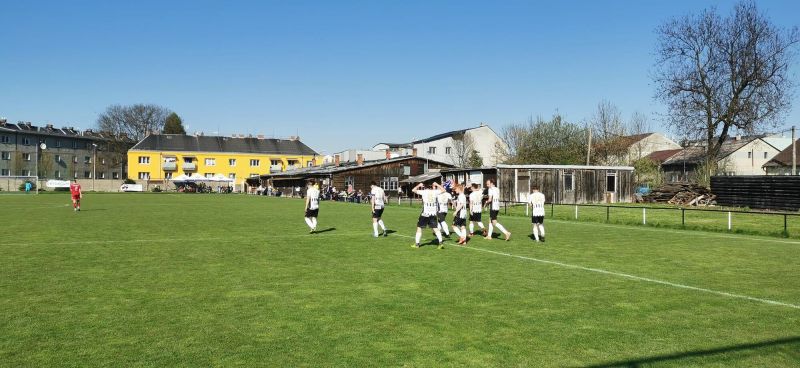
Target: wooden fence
{"x": 758, "y": 191}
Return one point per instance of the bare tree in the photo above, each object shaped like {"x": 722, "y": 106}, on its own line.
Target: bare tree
{"x": 716, "y": 73}
{"x": 637, "y": 126}
{"x": 608, "y": 133}
{"x": 135, "y": 121}
{"x": 463, "y": 145}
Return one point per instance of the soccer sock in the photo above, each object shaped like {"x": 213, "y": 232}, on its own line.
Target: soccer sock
{"x": 536, "y": 232}
{"x": 381, "y": 224}
{"x": 541, "y": 229}
{"x": 491, "y": 230}
{"x": 375, "y": 228}
{"x": 314, "y": 222}
{"x": 501, "y": 228}
{"x": 418, "y": 237}
{"x": 310, "y": 224}
{"x": 438, "y": 236}
{"x": 460, "y": 232}
{"x": 471, "y": 228}
{"x": 74, "y": 205}
{"x": 480, "y": 225}
{"x": 445, "y": 228}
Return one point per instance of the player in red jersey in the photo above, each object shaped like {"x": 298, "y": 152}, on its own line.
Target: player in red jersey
{"x": 75, "y": 190}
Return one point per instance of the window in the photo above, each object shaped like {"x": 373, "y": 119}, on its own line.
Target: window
{"x": 6, "y": 155}
{"x": 74, "y": 144}
{"x": 144, "y": 160}
{"x": 87, "y": 174}
{"x": 4, "y": 139}
{"x": 231, "y": 162}
{"x": 209, "y": 175}
{"x": 389, "y": 183}
{"x": 187, "y": 160}
{"x": 168, "y": 175}
{"x": 448, "y": 150}
{"x": 275, "y": 162}
{"x": 58, "y": 143}
{"x": 611, "y": 182}
{"x": 4, "y": 172}
{"x": 144, "y": 175}
{"x": 750, "y": 154}
{"x": 57, "y": 174}
{"x": 58, "y": 158}
{"x": 26, "y": 156}
{"x": 74, "y": 159}
{"x": 211, "y": 162}
{"x": 765, "y": 155}
{"x": 254, "y": 163}
{"x": 310, "y": 163}
{"x": 102, "y": 161}
{"x": 432, "y": 150}
{"x": 87, "y": 159}
{"x": 115, "y": 175}
{"x": 102, "y": 175}
{"x": 349, "y": 181}
{"x": 26, "y": 173}
{"x": 569, "y": 181}
{"x": 293, "y": 162}
{"x": 231, "y": 176}
{"x": 26, "y": 141}
{"x": 74, "y": 174}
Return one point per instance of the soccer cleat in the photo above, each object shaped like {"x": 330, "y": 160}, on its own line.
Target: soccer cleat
{"x": 542, "y": 239}
{"x": 385, "y": 234}
{"x": 485, "y": 232}
{"x": 374, "y": 235}
{"x": 488, "y": 237}
{"x": 441, "y": 246}
{"x": 414, "y": 245}
{"x": 508, "y": 236}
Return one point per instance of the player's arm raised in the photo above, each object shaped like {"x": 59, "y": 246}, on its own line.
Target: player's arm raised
{"x": 417, "y": 188}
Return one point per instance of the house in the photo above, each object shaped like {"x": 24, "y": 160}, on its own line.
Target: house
{"x": 387, "y": 172}
{"x": 568, "y": 184}
{"x": 159, "y": 157}
{"x": 454, "y": 147}
{"x": 642, "y": 145}
{"x": 61, "y": 153}
{"x": 781, "y": 164}
{"x": 738, "y": 155}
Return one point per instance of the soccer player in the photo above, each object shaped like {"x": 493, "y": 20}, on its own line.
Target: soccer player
{"x": 443, "y": 200}
{"x": 475, "y": 209}
{"x": 537, "y": 213}
{"x": 429, "y": 210}
{"x": 494, "y": 210}
{"x": 460, "y": 215}
{"x": 75, "y": 191}
{"x": 312, "y": 205}
{"x": 377, "y": 202}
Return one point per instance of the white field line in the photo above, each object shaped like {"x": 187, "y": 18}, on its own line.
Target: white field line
{"x": 632, "y": 277}
{"x": 177, "y": 240}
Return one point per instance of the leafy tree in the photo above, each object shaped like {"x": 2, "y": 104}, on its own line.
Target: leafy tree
{"x": 174, "y": 125}
{"x": 648, "y": 172}
{"x": 717, "y": 73}
{"x": 540, "y": 141}
{"x": 475, "y": 159}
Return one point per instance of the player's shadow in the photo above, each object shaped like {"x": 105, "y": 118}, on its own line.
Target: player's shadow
{"x": 325, "y": 230}
{"x": 787, "y": 344}
{"x": 390, "y": 231}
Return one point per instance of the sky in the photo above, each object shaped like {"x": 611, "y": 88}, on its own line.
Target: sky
{"x": 340, "y": 74}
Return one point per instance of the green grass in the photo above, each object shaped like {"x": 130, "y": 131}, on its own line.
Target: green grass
{"x": 229, "y": 280}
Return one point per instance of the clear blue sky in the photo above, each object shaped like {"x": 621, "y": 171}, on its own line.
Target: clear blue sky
{"x": 342, "y": 74}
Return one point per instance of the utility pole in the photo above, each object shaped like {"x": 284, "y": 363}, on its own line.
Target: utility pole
{"x": 794, "y": 151}
{"x": 94, "y": 164}
{"x": 589, "y": 148}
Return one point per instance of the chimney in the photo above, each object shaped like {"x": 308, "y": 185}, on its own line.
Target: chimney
{"x": 388, "y": 154}
{"x": 336, "y": 160}
{"x": 414, "y": 152}
{"x": 359, "y": 159}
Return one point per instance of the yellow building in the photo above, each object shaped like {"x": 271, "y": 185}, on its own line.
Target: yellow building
{"x": 160, "y": 157}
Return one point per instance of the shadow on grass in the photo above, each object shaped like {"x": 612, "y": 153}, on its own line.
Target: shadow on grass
{"x": 325, "y": 230}
{"x": 675, "y": 357}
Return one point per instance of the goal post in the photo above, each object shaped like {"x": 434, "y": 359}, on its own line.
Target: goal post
{"x": 18, "y": 184}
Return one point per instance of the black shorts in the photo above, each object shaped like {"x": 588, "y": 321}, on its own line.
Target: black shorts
{"x": 475, "y": 217}
{"x": 459, "y": 222}
{"x": 441, "y": 216}
{"x": 429, "y": 221}
{"x": 493, "y": 214}
{"x": 312, "y": 213}
{"x": 377, "y": 213}
{"x": 537, "y": 219}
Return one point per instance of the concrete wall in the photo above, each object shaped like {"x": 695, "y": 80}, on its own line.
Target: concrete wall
{"x": 749, "y": 159}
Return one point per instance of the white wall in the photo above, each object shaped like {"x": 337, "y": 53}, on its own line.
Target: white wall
{"x": 653, "y": 142}
{"x": 739, "y": 163}
{"x": 484, "y": 138}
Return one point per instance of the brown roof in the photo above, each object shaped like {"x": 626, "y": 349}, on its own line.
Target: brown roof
{"x": 661, "y": 156}
{"x": 784, "y": 158}
{"x": 630, "y": 140}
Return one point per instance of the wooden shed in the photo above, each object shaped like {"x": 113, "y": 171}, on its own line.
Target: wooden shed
{"x": 567, "y": 184}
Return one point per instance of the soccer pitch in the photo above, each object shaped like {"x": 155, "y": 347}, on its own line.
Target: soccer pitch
{"x": 225, "y": 280}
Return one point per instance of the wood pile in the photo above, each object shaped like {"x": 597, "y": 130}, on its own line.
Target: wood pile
{"x": 681, "y": 194}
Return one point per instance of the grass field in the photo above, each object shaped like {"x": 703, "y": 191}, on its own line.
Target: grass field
{"x": 227, "y": 280}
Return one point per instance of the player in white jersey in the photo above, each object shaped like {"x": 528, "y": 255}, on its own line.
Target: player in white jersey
{"x": 429, "y": 210}
{"x": 536, "y": 201}
{"x": 494, "y": 210}
{"x": 475, "y": 209}
{"x": 460, "y": 215}
{"x": 443, "y": 201}
{"x": 377, "y": 202}
{"x": 312, "y": 205}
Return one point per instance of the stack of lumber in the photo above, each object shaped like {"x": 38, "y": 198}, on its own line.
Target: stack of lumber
{"x": 682, "y": 194}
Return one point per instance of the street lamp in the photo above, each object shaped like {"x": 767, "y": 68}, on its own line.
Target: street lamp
{"x": 43, "y": 147}
{"x": 94, "y": 163}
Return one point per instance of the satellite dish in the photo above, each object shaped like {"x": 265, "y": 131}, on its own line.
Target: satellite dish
{"x": 43, "y": 146}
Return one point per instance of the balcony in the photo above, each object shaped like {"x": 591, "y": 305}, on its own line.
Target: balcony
{"x": 170, "y": 166}
{"x": 275, "y": 168}
{"x": 189, "y": 166}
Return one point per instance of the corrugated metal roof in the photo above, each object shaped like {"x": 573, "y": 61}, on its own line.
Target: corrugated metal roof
{"x": 332, "y": 168}
{"x": 565, "y": 167}
{"x": 191, "y": 143}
